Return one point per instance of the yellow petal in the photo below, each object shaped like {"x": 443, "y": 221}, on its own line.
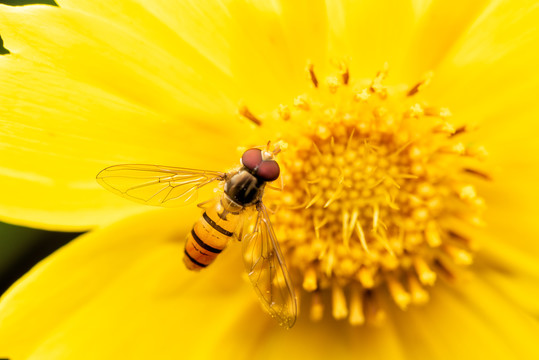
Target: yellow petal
{"x": 488, "y": 78}
{"x": 468, "y": 321}
{"x": 489, "y": 74}
{"x": 522, "y": 290}
{"x": 66, "y": 117}
{"x": 126, "y": 285}
{"x": 271, "y": 44}
{"x": 512, "y": 198}
{"x": 53, "y": 148}
{"x": 167, "y": 79}
{"x": 371, "y": 33}
{"x": 205, "y": 26}
{"x": 330, "y": 339}
{"x": 512, "y": 269}
{"x": 440, "y": 24}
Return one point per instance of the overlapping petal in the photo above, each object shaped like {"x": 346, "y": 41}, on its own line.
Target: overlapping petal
{"x": 126, "y": 287}
{"x": 271, "y": 46}
{"x": 468, "y": 321}
{"x": 171, "y": 81}
{"x": 494, "y": 95}
{"x": 60, "y": 91}
{"x": 370, "y": 33}
{"x": 494, "y": 59}
{"x": 131, "y": 293}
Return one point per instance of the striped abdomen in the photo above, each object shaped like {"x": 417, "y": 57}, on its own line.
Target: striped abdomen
{"x": 209, "y": 236}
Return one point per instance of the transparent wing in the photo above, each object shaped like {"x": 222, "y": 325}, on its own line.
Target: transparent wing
{"x": 267, "y": 271}
{"x": 155, "y": 184}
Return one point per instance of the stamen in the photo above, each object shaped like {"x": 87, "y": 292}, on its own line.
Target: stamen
{"x": 345, "y": 74}
{"x": 425, "y": 274}
{"x": 399, "y": 295}
{"x": 317, "y": 307}
{"x": 378, "y": 194}
{"x": 459, "y": 256}
{"x": 302, "y": 102}
{"x": 456, "y": 149}
{"x": 244, "y": 111}
{"x": 284, "y": 112}
{"x": 309, "y": 279}
{"x": 312, "y": 75}
{"x": 345, "y": 228}
{"x": 313, "y": 201}
{"x": 432, "y": 235}
{"x": 356, "y": 306}
{"x": 420, "y": 85}
{"x": 362, "y": 96}
{"x": 362, "y": 238}
{"x": 365, "y": 277}
{"x": 340, "y": 310}
{"x": 463, "y": 240}
{"x": 334, "y": 196}
{"x": 478, "y": 152}
{"x": 419, "y": 295}
{"x": 333, "y": 84}
{"x": 444, "y": 128}
{"x": 444, "y": 270}
{"x": 481, "y": 174}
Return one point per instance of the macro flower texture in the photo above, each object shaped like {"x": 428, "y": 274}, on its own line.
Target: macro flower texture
{"x": 406, "y": 207}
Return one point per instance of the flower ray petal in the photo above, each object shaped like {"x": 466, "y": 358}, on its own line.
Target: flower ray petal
{"x": 57, "y": 135}
{"x": 129, "y": 64}
{"x": 118, "y": 283}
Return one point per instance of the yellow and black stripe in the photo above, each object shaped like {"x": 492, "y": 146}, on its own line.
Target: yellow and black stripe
{"x": 209, "y": 236}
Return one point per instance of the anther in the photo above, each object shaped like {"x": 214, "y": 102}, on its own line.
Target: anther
{"x": 425, "y": 274}
{"x": 432, "y": 235}
{"x": 302, "y": 102}
{"x": 444, "y": 270}
{"x": 415, "y": 111}
{"x": 365, "y": 277}
{"x": 420, "y": 85}
{"x": 458, "y": 255}
{"x": 444, "y": 128}
{"x": 345, "y": 74}
{"x": 478, "y": 152}
{"x": 312, "y": 75}
{"x": 478, "y": 173}
{"x": 340, "y": 310}
{"x": 362, "y": 96}
{"x": 309, "y": 279}
{"x": 244, "y": 111}
{"x": 459, "y": 130}
{"x": 317, "y": 307}
{"x": 333, "y": 84}
{"x": 356, "y": 306}
{"x": 284, "y": 112}
{"x": 378, "y": 183}
{"x": 419, "y": 295}
{"x": 466, "y": 192}
{"x": 399, "y": 295}
{"x": 456, "y": 149}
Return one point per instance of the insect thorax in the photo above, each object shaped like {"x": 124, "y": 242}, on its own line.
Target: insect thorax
{"x": 244, "y": 188}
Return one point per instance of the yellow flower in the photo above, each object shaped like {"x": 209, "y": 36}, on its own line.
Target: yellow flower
{"x": 390, "y": 216}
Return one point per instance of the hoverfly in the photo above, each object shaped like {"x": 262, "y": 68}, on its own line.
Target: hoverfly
{"x": 229, "y": 215}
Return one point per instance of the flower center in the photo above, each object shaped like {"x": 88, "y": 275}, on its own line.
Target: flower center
{"x": 377, "y": 195}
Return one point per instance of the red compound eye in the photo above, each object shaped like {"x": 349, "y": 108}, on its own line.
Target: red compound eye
{"x": 251, "y": 158}
{"x": 268, "y": 170}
